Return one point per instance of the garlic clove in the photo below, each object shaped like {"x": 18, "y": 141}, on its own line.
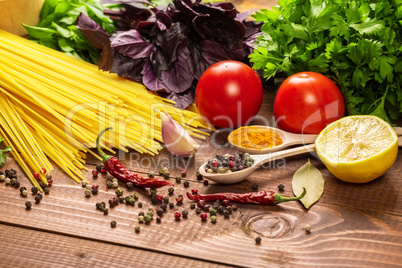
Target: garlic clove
{"x": 175, "y": 138}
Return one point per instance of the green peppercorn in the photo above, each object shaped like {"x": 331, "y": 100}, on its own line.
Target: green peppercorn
{"x": 147, "y": 218}
{"x": 88, "y": 193}
{"x": 28, "y": 205}
{"x": 136, "y": 196}
{"x": 151, "y": 175}
{"x": 212, "y": 212}
{"x": 213, "y": 219}
{"x": 129, "y": 185}
{"x": 140, "y": 204}
{"x": 34, "y": 190}
{"x": 150, "y": 213}
{"x": 186, "y": 184}
{"x": 140, "y": 218}
{"x": 258, "y": 240}
{"x": 130, "y": 200}
{"x": 137, "y": 228}
{"x": 160, "y": 172}
{"x": 113, "y": 224}
{"x": 178, "y": 179}
{"x": 119, "y": 192}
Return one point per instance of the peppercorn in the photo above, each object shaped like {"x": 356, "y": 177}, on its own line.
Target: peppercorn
{"x": 28, "y": 205}
{"x": 2, "y": 178}
{"x": 136, "y": 196}
{"x": 22, "y": 189}
{"x": 212, "y": 212}
{"x": 115, "y": 184}
{"x": 46, "y": 190}
{"x": 177, "y": 179}
{"x": 130, "y": 200}
{"x": 183, "y": 174}
{"x": 201, "y": 203}
{"x": 206, "y": 182}
{"x": 1, "y": 172}
{"x": 34, "y": 190}
{"x": 163, "y": 207}
{"x": 99, "y": 168}
{"x": 17, "y": 184}
{"x": 160, "y": 172}
{"x": 105, "y": 211}
{"x": 166, "y": 175}
{"x": 194, "y": 191}
{"x": 220, "y": 209}
{"x": 88, "y": 193}
{"x": 254, "y": 187}
{"x": 177, "y": 215}
{"x": 154, "y": 200}
{"x": 7, "y": 181}
{"x": 159, "y": 197}
{"x": 95, "y": 191}
{"x": 192, "y": 206}
{"x": 151, "y": 175}
{"x": 150, "y": 213}
{"x": 184, "y": 213}
{"x": 258, "y": 240}
{"x": 24, "y": 193}
{"x": 137, "y": 228}
{"x": 204, "y": 216}
{"x": 171, "y": 190}
{"x": 142, "y": 213}
{"x": 179, "y": 199}
{"x": 281, "y": 187}
{"x": 199, "y": 176}
{"x": 140, "y": 218}
{"x": 12, "y": 181}
{"x": 38, "y": 197}
{"x": 229, "y": 209}
{"x": 84, "y": 184}
{"x": 226, "y": 214}
{"x": 186, "y": 184}
{"x": 198, "y": 211}
{"x": 98, "y": 205}
{"x": 171, "y": 205}
{"x": 140, "y": 204}
{"x": 109, "y": 184}
{"x": 119, "y": 192}
{"x": 213, "y": 219}
{"x": 159, "y": 212}
{"x": 36, "y": 175}
{"x": 147, "y": 218}
{"x": 121, "y": 199}
{"x": 116, "y": 200}
{"x": 234, "y": 207}
{"x": 225, "y": 203}
{"x": 307, "y": 229}
{"x": 88, "y": 187}
{"x": 130, "y": 185}
{"x": 152, "y": 191}
{"x": 113, "y": 224}
{"x": 95, "y": 173}
{"x": 158, "y": 219}
{"x": 206, "y": 208}
{"x": 112, "y": 202}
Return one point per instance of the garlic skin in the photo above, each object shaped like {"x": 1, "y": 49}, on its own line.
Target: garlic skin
{"x": 176, "y": 139}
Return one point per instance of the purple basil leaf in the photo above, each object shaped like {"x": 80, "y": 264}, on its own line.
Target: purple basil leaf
{"x": 209, "y": 52}
{"x": 149, "y": 78}
{"x": 92, "y": 31}
{"x": 106, "y": 60}
{"x": 164, "y": 19}
{"x": 132, "y": 44}
{"x": 227, "y": 7}
{"x": 244, "y": 15}
{"x": 235, "y": 49}
{"x": 179, "y": 76}
{"x": 250, "y": 42}
{"x": 252, "y": 28}
{"x": 168, "y": 41}
{"x": 183, "y": 100}
{"x": 127, "y": 67}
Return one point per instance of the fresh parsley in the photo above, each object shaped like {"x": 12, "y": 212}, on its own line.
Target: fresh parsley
{"x": 357, "y": 43}
{"x": 3, "y": 157}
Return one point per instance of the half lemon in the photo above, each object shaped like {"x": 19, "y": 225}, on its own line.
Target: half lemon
{"x": 358, "y": 148}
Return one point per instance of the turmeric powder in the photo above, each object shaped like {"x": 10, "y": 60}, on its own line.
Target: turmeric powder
{"x": 254, "y": 138}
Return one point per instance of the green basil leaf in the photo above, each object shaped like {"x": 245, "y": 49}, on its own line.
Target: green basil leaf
{"x": 309, "y": 177}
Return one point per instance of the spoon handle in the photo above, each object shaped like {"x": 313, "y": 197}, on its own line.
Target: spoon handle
{"x": 264, "y": 158}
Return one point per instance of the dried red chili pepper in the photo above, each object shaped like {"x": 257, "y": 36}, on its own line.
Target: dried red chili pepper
{"x": 262, "y": 197}
{"x": 118, "y": 171}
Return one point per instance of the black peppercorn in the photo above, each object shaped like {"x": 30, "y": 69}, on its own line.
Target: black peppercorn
{"x": 154, "y": 200}
{"x": 129, "y": 185}
{"x": 186, "y": 184}
{"x": 113, "y": 224}
{"x": 184, "y": 213}
{"x": 220, "y": 209}
{"x": 281, "y": 187}
{"x": 105, "y": 211}
{"x": 178, "y": 179}
{"x": 158, "y": 219}
{"x": 206, "y": 182}
{"x": 234, "y": 207}
{"x": 171, "y": 190}
{"x": 99, "y": 168}
{"x": 38, "y": 197}
{"x": 28, "y": 205}
{"x": 22, "y": 189}
{"x": 199, "y": 176}
{"x": 139, "y": 204}
{"x": 34, "y": 190}
{"x": 17, "y": 184}
{"x": 163, "y": 207}
{"x": 192, "y": 206}
{"x": 254, "y": 187}
{"x": 142, "y": 213}
{"x": 171, "y": 205}
{"x": 258, "y": 240}
{"x": 12, "y": 181}
{"x": 166, "y": 200}
{"x": 226, "y": 214}
{"x": 198, "y": 210}
{"x": 159, "y": 212}
{"x": 46, "y": 190}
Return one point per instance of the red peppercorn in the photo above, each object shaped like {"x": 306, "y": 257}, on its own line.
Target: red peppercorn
{"x": 179, "y": 199}
{"x": 43, "y": 170}
{"x": 177, "y": 215}
{"x": 95, "y": 173}
{"x": 204, "y": 216}
{"x": 49, "y": 182}
{"x": 159, "y": 197}
{"x": 234, "y": 207}
{"x": 231, "y": 163}
{"x": 225, "y": 203}
{"x": 194, "y": 191}
{"x": 181, "y": 169}
{"x": 214, "y": 163}
{"x": 183, "y": 174}
{"x": 201, "y": 203}
{"x": 95, "y": 186}
{"x": 36, "y": 175}
{"x": 112, "y": 202}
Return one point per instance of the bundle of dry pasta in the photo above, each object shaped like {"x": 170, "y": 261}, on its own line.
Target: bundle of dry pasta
{"x": 53, "y": 106}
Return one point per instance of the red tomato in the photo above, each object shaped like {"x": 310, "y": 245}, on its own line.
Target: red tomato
{"x": 306, "y": 102}
{"x": 229, "y": 94}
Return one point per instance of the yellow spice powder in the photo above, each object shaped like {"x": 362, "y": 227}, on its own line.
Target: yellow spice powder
{"x": 254, "y": 138}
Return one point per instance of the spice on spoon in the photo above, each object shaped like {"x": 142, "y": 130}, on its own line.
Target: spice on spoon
{"x": 254, "y": 138}
{"x": 262, "y": 197}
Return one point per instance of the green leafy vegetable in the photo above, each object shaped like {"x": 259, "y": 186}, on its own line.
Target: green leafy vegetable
{"x": 309, "y": 177}
{"x": 56, "y": 27}
{"x": 358, "y": 43}
{"x": 3, "y": 157}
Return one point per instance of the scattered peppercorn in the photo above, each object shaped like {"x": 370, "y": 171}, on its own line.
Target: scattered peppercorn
{"x": 213, "y": 219}
{"x": 140, "y": 204}
{"x": 24, "y": 193}
{"x": 184, "y": 213}
{"x": 147, "y": 218}
{"x": 151, "y": 175}
{"x": 206, "y": 182}
{"x": 99, "y": 168}
{"x": 28, "y": 205}
{"x": 212, "y": 212}
{"x": 150, "y": 213}
{"x": 166, "y": 175}
{"x": 160, "y": 172}
{"x": 204, "y": 216}
{"x": 7, "y": 181}
{"x": 220, "y": 209}
{"x": 130, "y": 185}
{"x": 225, "y": 203}
{"x": 163, "y": 207}
{"x": 186, "y": 184}
{"x": 95, "y": 173}
{"x": 198, "y": 211}
{"x": 119, "y": 192}
{"x": 130, "y": 200}
{"x": 171, "y": 190}
{"x": 136, "y": 196}
{"x": 22, "y": 189}
{"x": 49, "y": 180}
{"x": 199, "y": 176}
{"x": 171, "y": 205}
{"x": 307, "y": 229}
{"x": 183, "y": 174}
{"x": 179, "y": 199}
{"x": 38, "y": 197}
{"x": 113, "y": 224}
{"x": 234, "y": 207}
{"x": 109, "y": 184}
{"x": 2, "y": 178}
{"x": 88, "y": 187}
{"x": 226, "y": 214}
{"x": 105, "y": 211}
{"x": 281, "y": 187}
{"x": 177, "y": 179}
{"x": 140, "y": 218}
{"x": 158, "y": 219}
{"x": 88, "y": 193}
{"x": 95, "y": 191}
{"x": 258, "y": 240}
{"x": 154, "y": 200}
{"x": 159, "y": 212}
{"x": 115, "y": 184}
{"x": 34, "y": 190}
{"x": 142, "y": 213}
{"x": 201, "y": 203}
{"x": 194, "y": 191}
{"x": 159, "y": 197}
{"x": 137, "y": 228}
{"x": 192, "y": 206}
{"x": 254, "y": 187}
{"x": 12, "y": 181}
{"x": 84, "y": 184}
{"x": 229, "y": 209}
{"x": 177, "y": 215}
{"x": 206, "y": 208}
{"x": 46, "y": 190}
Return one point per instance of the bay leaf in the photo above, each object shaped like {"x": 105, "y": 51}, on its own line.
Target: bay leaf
{"x": 309, "y": 177}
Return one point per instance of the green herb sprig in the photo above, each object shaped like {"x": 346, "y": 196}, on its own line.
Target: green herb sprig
{"x": 3, "y": 157}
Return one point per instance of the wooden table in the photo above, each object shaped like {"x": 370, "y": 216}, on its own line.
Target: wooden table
{"x": 351, "y": 225}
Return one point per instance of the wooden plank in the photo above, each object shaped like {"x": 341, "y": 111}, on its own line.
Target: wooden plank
{"x": 23, "y": 247}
